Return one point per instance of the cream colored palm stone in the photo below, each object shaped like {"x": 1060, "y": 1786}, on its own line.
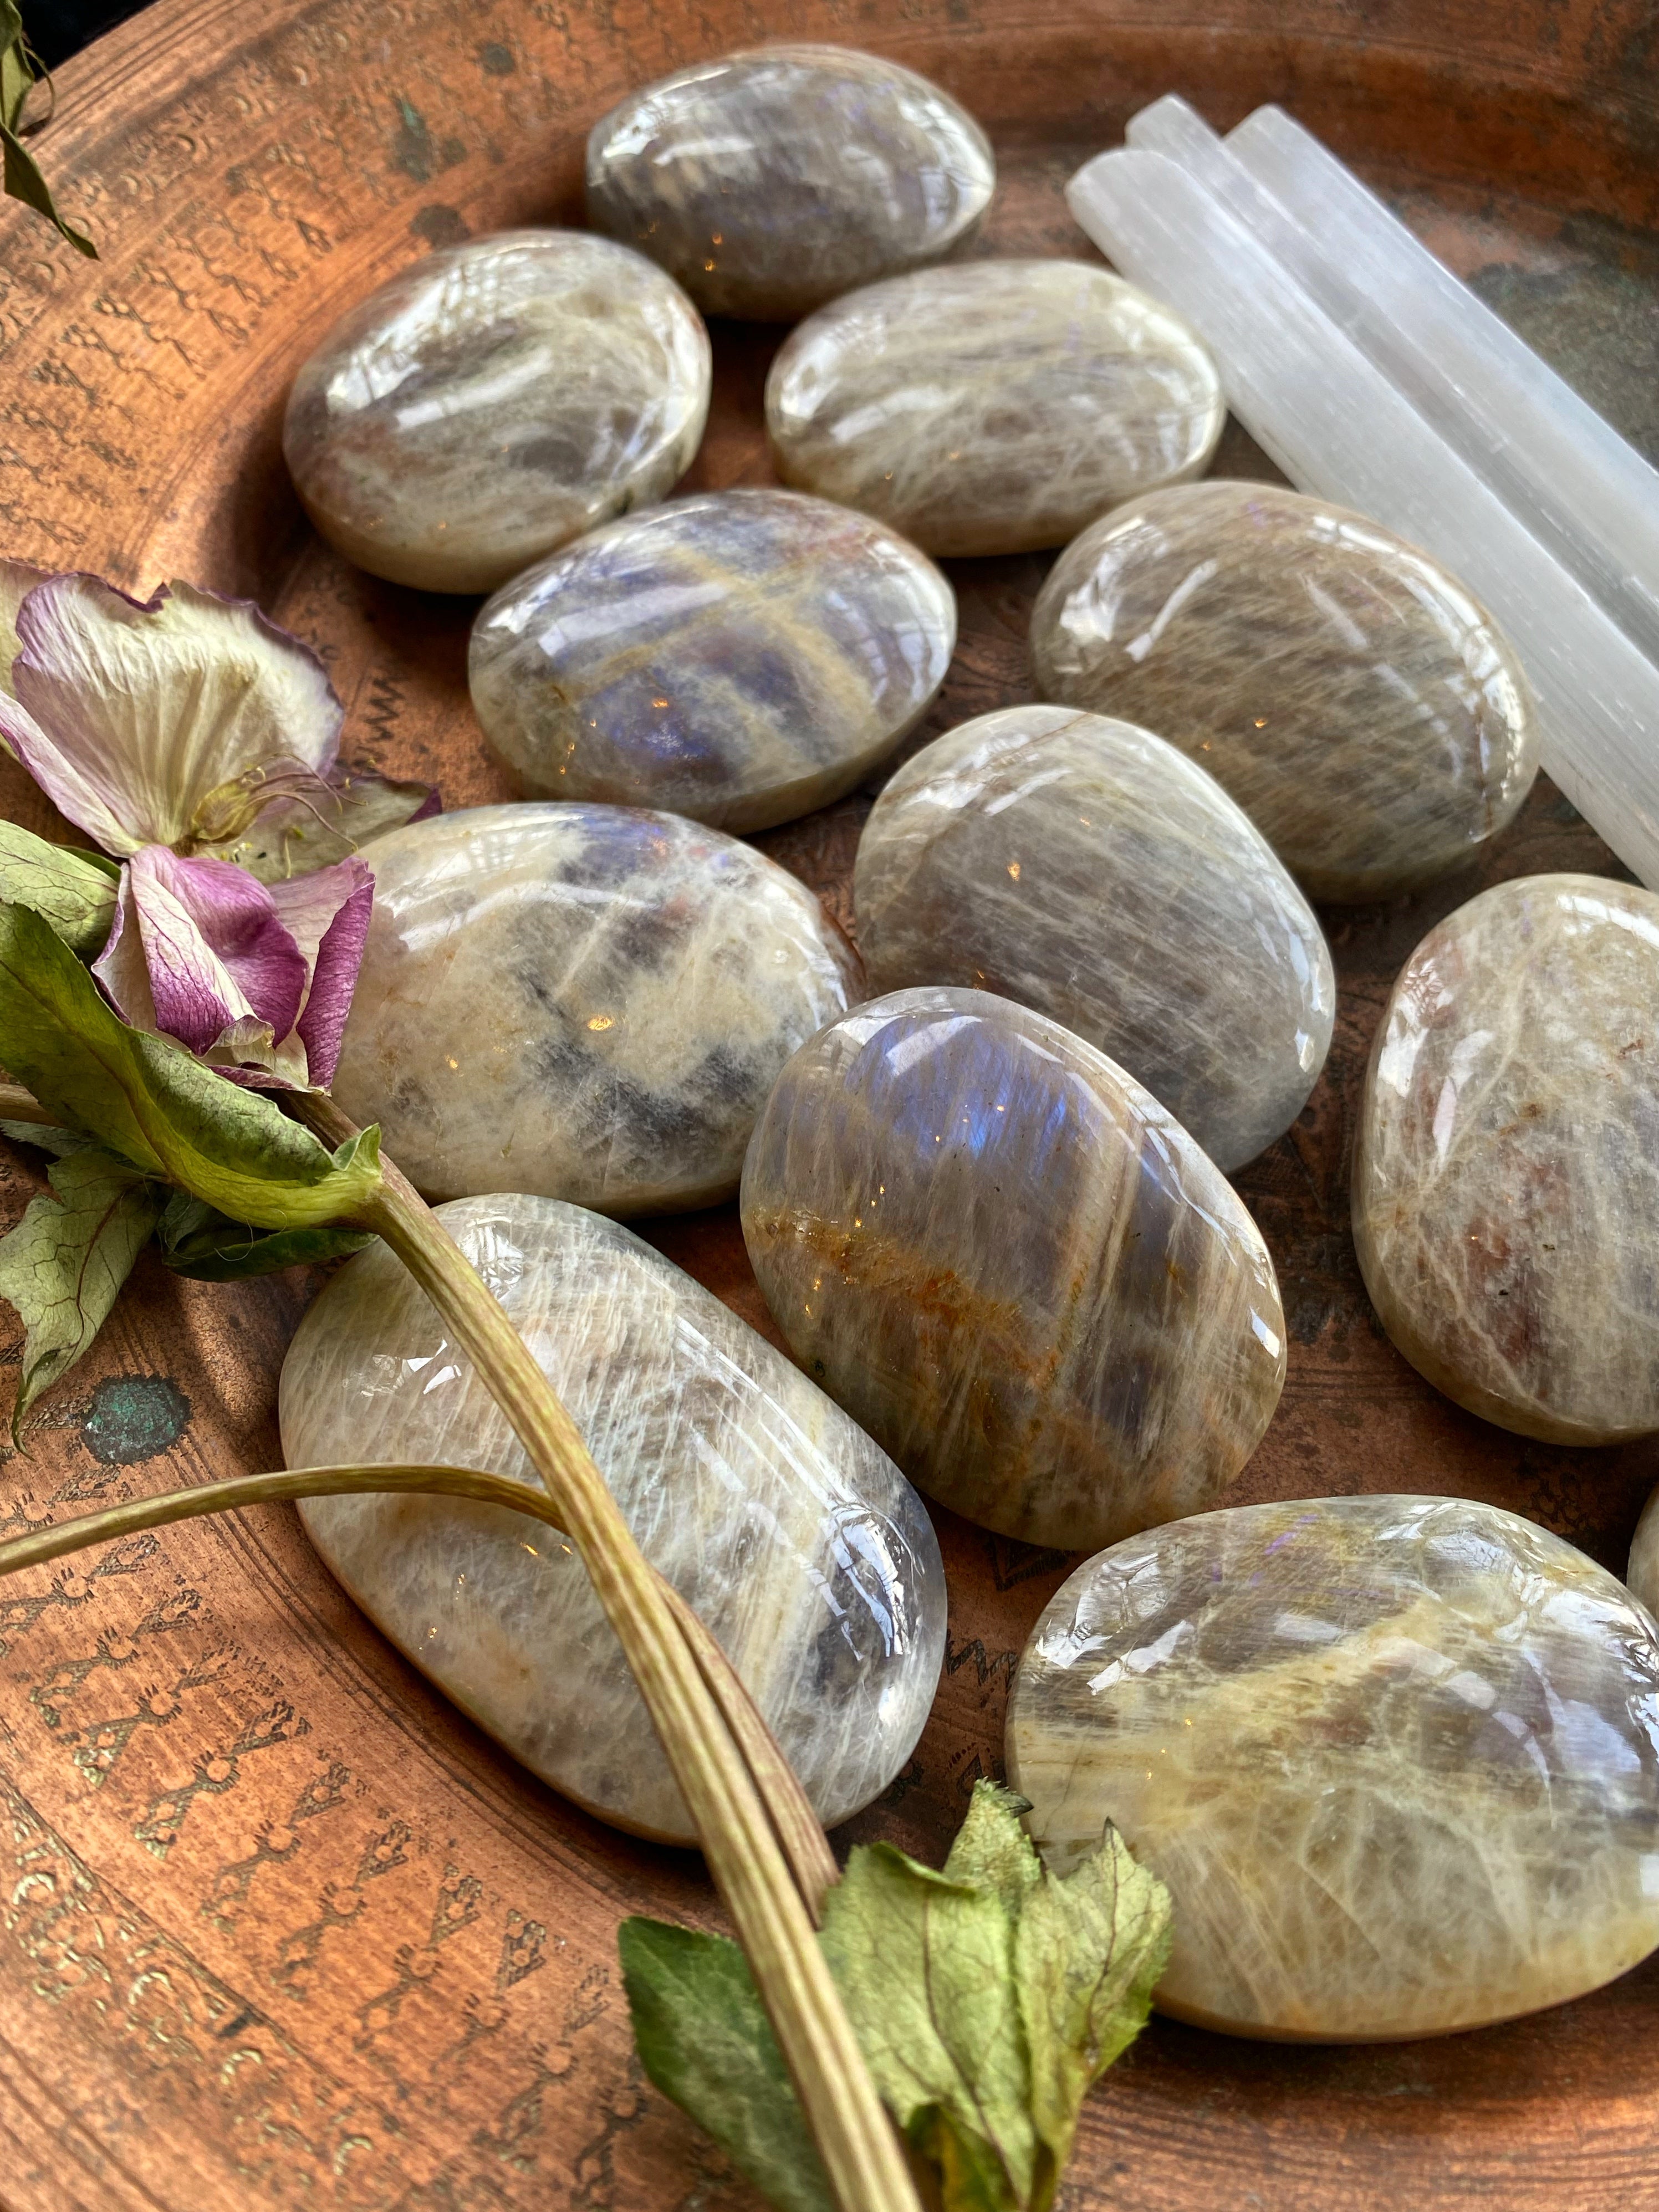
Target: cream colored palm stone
{"x": 794, "y": 1537}
{"x": 1397, "y": 1759}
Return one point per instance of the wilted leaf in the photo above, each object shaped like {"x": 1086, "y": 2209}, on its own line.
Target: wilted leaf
{"x": 147, "y": 1099}
{"x": 74, "y": 891}
{"x": 23, "y": 180}
{"x": 197, "y": 1241}
{"x": 704, "y": 2040}
{"x": 63, "y": 1264}
{"x": 1088, "y": 1953}
{"x": 925, "y": 1967}
{"x": 986, "y": 2000}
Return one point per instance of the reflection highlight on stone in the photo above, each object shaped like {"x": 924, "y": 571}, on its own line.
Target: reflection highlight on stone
{"x": 1013, "y": 1268}
{"x": 1397, "y": 1759}
{"x": 797, "y": 1541}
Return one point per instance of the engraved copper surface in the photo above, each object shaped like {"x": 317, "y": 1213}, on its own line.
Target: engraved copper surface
{"x": 276, "y": 1927}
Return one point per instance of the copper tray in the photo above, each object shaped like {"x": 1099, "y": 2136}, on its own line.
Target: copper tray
{"x": 277, "y": 1927}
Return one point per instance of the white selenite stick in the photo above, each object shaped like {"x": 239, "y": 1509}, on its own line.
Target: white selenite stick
{"x": 1338, "y": 427}
{"x": 1577, "y": 484}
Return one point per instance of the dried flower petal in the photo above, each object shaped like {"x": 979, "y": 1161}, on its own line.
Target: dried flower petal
{"x": 131, "y": 714}
{"x": 17, "y": 580}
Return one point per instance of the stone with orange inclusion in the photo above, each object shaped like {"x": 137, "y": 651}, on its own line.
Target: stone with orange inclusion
{"x": 1062, "y": 1322}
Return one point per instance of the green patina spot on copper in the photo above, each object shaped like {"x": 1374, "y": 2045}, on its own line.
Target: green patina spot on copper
{"x": 133, "y": 1417}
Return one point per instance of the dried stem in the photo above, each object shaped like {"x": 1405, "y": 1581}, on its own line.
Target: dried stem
{"x": 702, "y": 1713}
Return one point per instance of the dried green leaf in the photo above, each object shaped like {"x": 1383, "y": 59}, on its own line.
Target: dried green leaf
{"x": 1088, "y": 1953}
{"x": 146, "y": 1098}
{"x": 705, "y": 2041}
{"x": 63, "y": 1264}
{"x": 60, "y": 1143}
{"x": 197, "y": 1241}
{"x": 74, "y": 891}
{"x": 925, "y": 1965}
{"x": 17, "y": 70}
{"x": 986, "y": 2000}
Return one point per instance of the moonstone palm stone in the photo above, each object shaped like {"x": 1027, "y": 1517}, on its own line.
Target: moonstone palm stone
{"x": 494, "y": 400}
{"x": 1013, "y": 1268}
{"x": 798, "y": 1541}
{"x": 1397, "y": 1759}
{"x": 589, "y": 1002}
{"x": 1506, "y": 1177}
{"x": 769, "y": 181}
{"x": 1360, "y": 705}
{"x": 1089, "y": 869}
{"x": 741, "y": 656}
{"x": 992, "y": 406}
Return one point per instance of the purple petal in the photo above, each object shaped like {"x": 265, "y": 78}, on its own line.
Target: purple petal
{"x": 214, "y": 947}
{"x": 136, "y": 714}
{"x": 328, "y": 914}
{"x": 121, "y": 968}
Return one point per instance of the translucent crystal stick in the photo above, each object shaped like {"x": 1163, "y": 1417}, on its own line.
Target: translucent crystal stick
{"x": 1337, "y": 427}
{"x": 1582, "y": 490}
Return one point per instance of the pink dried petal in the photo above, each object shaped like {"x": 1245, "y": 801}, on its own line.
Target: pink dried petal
{"x": 328, "y": 915}
{"x": 214, "y": 949}
{"x": 135, "y": 713}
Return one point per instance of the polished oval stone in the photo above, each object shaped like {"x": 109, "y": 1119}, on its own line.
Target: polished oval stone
{"x": 741, "y": 656}
{"x": 993, "y": 406}
{"x": 1397, "y": 1759}
{"x": 494, "y": 400}
{"x": 798, "y": 1543}
{"x": 1506, "y": 1177}
{"x": 1089, "y": 869}
{"x": 769, "y": 181}
{"x": 589, "y": 1002}
{"x": 1009, "y": 1263}
{"x": 1360, "y": 705}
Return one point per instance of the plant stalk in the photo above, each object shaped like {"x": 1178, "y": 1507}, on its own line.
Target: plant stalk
{"x": 861, "y": 2152}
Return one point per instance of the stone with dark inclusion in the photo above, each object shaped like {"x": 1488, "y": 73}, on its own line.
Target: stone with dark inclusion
{"x": 1009, "y": 1263}
{"x": 589, "y": 1002}
{"x": 741, "y": 656}
{"x": 1397, "y": 1759}
{"x": 494, "y": 400}
{"x": 1352, "y": 696}
{"x": 797, "y": 1541}
{"x": 993, "y": 406}
{"x": 1506, "y": 1175}
{"x": 1089, "y": 869}
{"x": 769, "y": 181}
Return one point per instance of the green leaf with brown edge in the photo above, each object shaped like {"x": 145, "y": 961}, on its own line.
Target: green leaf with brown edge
{"x": 197, "y": 1241}
{"x": 146, "y": 1098}
{"x": 63, "y": 1264}
{"x": 74, "y": 891}
{"x": 23, "y": 179}
{"x": 705, "y": 2041}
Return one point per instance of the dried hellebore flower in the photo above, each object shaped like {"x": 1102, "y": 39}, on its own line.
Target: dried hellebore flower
{"x": 186, "y": 720}
{"x": 256, "y": 979}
